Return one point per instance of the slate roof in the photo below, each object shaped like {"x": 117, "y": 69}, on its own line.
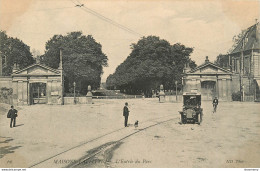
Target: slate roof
{"x": 250, "y": 40}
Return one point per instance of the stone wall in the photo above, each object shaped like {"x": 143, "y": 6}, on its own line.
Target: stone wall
{"x": 5, "y": 82}
{"x": 172, "y": 98}
{"x": 6, "y": 95}
{"x": 79, "y": 100}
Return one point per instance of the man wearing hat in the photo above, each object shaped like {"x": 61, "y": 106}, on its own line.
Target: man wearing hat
{"x": 12, "y": 113}
{"x": 126, "y": 113}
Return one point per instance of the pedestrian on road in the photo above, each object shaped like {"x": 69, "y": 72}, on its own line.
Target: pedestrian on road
{"x": 126, "y": 113}
{"x": 12, "y": 113}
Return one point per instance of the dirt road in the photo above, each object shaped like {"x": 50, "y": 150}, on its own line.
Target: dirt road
{"x": 229, "y": 138}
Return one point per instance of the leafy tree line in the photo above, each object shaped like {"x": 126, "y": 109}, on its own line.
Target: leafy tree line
{"x": 13, "y": 50}
{"x": 83, "y": 60}
{"x": 153, "y": 61}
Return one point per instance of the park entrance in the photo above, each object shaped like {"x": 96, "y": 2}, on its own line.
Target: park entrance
{"x": 38, "y": 93}
{"x": 37, "y": 84}
{"x": 210, "y": 80}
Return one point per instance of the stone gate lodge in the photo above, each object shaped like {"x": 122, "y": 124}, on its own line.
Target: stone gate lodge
{"x": 35, "y": 84}
{"x": 241, "y": 73}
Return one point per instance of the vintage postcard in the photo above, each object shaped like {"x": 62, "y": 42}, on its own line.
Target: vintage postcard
{"x": 130, "y": 84}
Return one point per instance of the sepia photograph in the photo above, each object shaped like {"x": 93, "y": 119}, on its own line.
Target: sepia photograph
{"x": 129, "y": 84}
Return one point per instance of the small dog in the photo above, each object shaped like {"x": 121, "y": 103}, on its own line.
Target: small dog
{"x": 136, "y": 124}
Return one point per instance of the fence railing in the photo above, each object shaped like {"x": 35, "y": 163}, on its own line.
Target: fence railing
{"x": 249, "y": 98}
{"x": 118, "y": 97}
{"x": 83, "y": 100}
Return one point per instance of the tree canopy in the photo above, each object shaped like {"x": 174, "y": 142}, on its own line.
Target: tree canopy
{"x": 83, "y": 59}
{"x": 13, "y": 50}
{"x": 222, "y": 61}
{"x": 153, "y": 61}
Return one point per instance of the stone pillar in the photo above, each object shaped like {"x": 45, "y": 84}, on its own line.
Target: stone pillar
{"x": 161, "y": 95}
{"x": 25, "y": 92}
{"x": 20, "y": 93}
{"x": 15, "y": 96}
{"x": 89, "y": 96}
{"x": 229, "y": 94}
{"x": 60, "y": 86}
{"x": 224, "y": 84}
{"x": 48, "y": 91}
{"x": 220, "y": 81}
{"x": 217, "y": 88}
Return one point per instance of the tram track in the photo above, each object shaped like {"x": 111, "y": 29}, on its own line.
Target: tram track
{"x": 99, "y": 137}
{"x": 112, "y": 144}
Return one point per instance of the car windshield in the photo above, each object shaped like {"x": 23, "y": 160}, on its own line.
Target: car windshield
{"x": 191, "y": 100}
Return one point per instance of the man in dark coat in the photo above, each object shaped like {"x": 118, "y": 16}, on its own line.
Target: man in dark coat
{"x": 126, "y": 113}
{"x": 12, "y": 113}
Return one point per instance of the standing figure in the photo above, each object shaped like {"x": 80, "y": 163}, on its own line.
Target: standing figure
{"x": 126, "y": 113}
{"x": 215, "y": 104}
{"x": 12, "y": 113}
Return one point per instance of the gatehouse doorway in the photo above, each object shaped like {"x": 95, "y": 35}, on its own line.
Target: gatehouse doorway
{"x": 38, "y": 93}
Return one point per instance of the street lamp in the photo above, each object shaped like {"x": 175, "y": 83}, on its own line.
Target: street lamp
{"x": 74, "y": 84}
{"x": 176, "y": 89}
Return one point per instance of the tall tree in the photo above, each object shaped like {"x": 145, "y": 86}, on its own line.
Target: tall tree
{"x": 13, "y": 50}
{"x": 153, "y": 61}
{"x": 83, "y": 59}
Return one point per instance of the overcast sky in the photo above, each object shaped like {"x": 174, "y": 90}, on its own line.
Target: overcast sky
{"x": 208, "y": 26}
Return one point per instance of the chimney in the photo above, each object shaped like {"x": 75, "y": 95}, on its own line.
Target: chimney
{"x": 60, "y": 65}
{"x": 38, "y": 60}
{"x": 186, "y": 68}
{"x": 207, "y": 59}
{"x": 15, "y": 67}
{"x": 257, "y": 30}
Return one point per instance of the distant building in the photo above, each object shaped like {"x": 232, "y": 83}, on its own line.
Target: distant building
{"x": 210, "y": 80}
{"x": 35, "y": 84}
{"x": 245, "y": 63}
{"x": 240, "y": 73}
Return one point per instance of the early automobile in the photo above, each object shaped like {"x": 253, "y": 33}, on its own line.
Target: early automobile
{"x": 191, "y": 111}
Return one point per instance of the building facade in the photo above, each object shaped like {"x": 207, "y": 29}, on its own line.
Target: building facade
{"x": 241, "y": 74}
{"x": 210, "y": 80}
{"x": 244, "y": 61}
{"x": 35, "y": 84}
